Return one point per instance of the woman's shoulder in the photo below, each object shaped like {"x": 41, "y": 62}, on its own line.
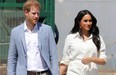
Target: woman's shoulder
{"x": 72, "y": 35}
{"x": 101, "y": 38}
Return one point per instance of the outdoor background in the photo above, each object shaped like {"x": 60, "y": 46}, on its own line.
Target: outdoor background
{"x": 60, "y": 15}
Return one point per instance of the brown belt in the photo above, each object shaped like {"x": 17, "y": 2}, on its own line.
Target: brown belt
{"x": 36, "y": 73}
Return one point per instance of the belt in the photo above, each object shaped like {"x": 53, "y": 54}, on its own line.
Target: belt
{"x": 36, "y": 73}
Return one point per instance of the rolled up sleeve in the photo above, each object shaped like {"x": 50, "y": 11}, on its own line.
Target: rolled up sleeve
{"x": 102, "y": 50}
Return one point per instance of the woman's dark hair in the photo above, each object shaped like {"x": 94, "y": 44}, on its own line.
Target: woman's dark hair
{"x": 94, "y": 29}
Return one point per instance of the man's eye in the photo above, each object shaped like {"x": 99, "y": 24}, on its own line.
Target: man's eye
{"x": 33, "y": 13}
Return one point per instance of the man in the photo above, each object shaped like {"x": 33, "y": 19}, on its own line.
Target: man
{"x": 32, "y": 49}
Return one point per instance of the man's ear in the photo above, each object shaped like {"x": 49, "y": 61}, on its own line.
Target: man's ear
{"x": 26, "y": 12}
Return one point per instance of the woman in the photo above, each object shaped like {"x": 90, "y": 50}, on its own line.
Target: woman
{"x": 84, "y": 48}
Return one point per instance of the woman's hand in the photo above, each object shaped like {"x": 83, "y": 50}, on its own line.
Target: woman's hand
{"x": 86, "y": 60}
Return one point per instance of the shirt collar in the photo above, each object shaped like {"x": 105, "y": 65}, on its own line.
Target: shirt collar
{"x": 26, "y": 29}
{"x": 78, "y": 35}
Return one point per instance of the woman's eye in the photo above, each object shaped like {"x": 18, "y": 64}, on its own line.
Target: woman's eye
{"x": 90, "y": 20}
{"x": 87, "y": 20}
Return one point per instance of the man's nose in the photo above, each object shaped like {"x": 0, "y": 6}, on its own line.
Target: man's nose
{"x": 36, "y": 15}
